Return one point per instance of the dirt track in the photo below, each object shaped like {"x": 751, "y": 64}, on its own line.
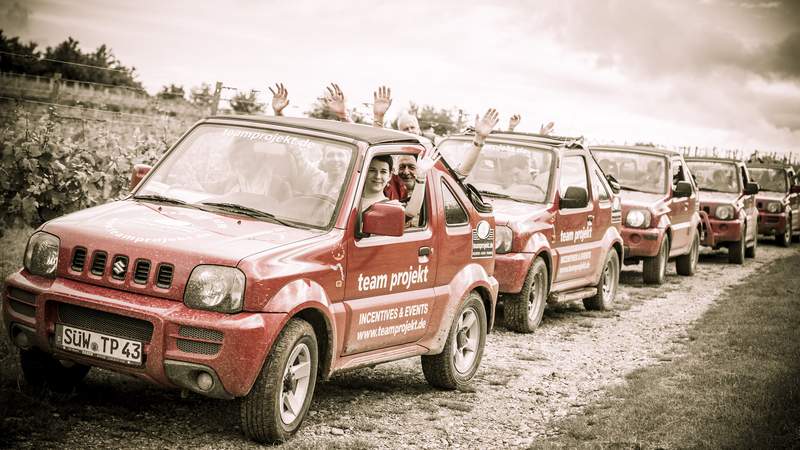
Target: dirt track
{"x": 524, "y": 383}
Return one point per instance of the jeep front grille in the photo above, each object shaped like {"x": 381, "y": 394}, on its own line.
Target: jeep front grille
{"x": 105, "y": 322}
{"x": 203, "y": 348}
{"x": 141, "y": 272}
{"x": 164, "y": 276}
{"x": 99, "y": 263}
{"x": 78, "y": 259}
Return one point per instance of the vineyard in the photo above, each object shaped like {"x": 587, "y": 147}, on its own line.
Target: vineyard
{"x": 54, "y": 161}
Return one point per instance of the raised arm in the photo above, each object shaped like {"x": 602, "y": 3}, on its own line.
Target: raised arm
{"x": 382, "y": 100}
{"x": 334, "y": 99}
{"x": 280, "y": 98}
{"x": 424, "y": 164}
{"x": 514, "y": 121}
{"x": 545, "y": 130}
{"x": 483, "y": 127}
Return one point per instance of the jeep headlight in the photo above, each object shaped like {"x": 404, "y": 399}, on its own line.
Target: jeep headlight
{"x": 215, "y": 288}
{"x": 724, "y": 212}
{"x": 638, "y": 218}
{"x": 41, "y": 254}
{"x": 502, "y": 239}
{"x": 774, "y": 207}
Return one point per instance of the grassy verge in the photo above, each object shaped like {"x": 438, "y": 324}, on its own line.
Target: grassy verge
{"x": 737, "y": 385}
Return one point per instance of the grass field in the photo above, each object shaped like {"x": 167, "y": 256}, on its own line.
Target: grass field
{"x": 737, "y": 386}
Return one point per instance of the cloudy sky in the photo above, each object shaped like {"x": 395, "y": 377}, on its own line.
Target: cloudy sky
{"x": 720, "y": 73}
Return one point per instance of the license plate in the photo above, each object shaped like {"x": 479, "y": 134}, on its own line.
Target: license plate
{"x": 98, "y": 345}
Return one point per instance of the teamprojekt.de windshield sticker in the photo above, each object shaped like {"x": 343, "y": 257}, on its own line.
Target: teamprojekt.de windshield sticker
{"x": 482, "y": 240}
{"x": 270, "y": 138}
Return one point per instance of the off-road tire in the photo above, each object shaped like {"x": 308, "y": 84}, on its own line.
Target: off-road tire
{"x": 654, "y": 269}
{"x": 260, "y": 411}
{"x": 686, "y": 265}
{"x": 523, "y": 311}
{"x": 750, "y": 252}
{"x": 785, "y": 239}
{"x": 607, "y": 286}
{"x": 736, "y": 251}
{"x": 44, "y": 372}
{"x": 440, "y": 370}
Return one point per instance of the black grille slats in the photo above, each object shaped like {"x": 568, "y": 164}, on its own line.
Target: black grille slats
{"x": 141, "y": 271}
{"x": 105, "y": 322}
{"x": 78, "y": 259}
{"x": 203, "y": 348}
{"x": 99, "y": 263}
{"x": 200, "y": 333}
{"x": 164, "y": 276}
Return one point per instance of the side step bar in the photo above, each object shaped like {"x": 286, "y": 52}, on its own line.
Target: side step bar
{"x": 568, "y": 296}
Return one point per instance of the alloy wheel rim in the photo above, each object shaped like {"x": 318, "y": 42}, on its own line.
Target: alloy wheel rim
{"x": 296, "y": 379}
{"x": 467, "y": 338}
{"x": 534, "y": 300}
{"x": 607, "y": 288}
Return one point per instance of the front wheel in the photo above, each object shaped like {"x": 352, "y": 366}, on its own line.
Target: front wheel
{"x": 654, "y": 269}
{"x": 686, "y": 265}
{"x": 736, "y": 251}
{"x": 42, "y": 371}
{"x": 278, "y": 402}
{"x": 607, "y": 287}
{"x": 523, "y": 311}
{"x": 455, "y": 366}
{"x": 785, "y": 239}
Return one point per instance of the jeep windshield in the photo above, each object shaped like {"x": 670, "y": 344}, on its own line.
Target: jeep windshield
{"x": 769, "y": 179}
{"x": 269, "y": 175}
{"x": 505, "y": 170}
{"x": 640, "y": 172}
{"x": 715, "y": 176}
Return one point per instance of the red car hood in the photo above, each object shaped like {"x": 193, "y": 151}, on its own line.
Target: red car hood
{"x": 518, "y": 214}
{"x": 771, "y": 196}
{"x": 632, "y": 199}
{"x": 718, "y": 197}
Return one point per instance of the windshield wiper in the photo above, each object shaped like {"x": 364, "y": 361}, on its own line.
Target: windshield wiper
{"x": 247, "y": 211}
{"x": 160, "y": 198}
{"x": 714, "y": 190}
{"x": 494, "y": 194}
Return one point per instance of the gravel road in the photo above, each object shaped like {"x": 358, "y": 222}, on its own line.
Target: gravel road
{"x": 525, "y": 381}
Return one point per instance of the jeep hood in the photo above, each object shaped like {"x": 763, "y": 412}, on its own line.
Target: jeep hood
{"x": 718, "y": 197}
{"x": 165, "y": 232}
{"x": 632, "y": 199}
{"x": 770, "y": 196}
{"x": 511, "y": 211}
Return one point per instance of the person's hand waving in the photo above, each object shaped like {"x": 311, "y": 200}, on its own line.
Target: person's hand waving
{"x": 334, "y": 99}
{"x": 485, "y": 125}
{"x": 514, "y": 121}
{"x": 545, "y": 130}
{"x": 280, "y": 98}
{"x": 382, "y": 100}
{"x": 425, "y": 163}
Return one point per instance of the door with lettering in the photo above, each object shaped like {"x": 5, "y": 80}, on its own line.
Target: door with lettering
{"x": 683, "y": 209}
{"x": 389, "y": 284}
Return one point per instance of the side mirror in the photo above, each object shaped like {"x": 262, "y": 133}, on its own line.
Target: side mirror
{"x": 615, "y": 188}
{"x": 575, "y": 197}
{"x": 384, "y": 219}
{"x": 751, "y": 188}
{"x": 795, "y": 189}
{"x": 682, "y": 189}
{"x": 139, "y": 172}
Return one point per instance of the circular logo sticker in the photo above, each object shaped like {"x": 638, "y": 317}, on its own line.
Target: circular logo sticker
{"x": 483, "y": 229}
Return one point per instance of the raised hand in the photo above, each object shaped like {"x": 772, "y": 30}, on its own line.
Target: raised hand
{"x": 280, "y": 98}
{"x": 334, "y": 99}
{"x": 514, "y": 121}
{"x": 426, "y": 162}
{"x": 546, "y": 129}
{"x": 485, "y": 125}
{"x": 382, "y": 100}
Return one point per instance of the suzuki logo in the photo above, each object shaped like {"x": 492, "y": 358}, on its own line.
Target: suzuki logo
{"x": 120, "y": 265}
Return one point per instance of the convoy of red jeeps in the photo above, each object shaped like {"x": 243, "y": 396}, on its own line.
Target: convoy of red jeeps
{"x": 243, "y": 264}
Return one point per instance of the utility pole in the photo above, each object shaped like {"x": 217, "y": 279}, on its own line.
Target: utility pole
{"x": 215, "y": 98}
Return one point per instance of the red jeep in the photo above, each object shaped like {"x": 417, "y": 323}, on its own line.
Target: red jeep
{"x": 778, "y": 201}
{"x": 727, "y": 195}
{"x": 660, "y": 212}
{"x": 240, "y": 267}
{"x": 557, "y": 219}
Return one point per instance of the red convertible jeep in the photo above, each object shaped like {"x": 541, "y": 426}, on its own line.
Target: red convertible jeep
{"x": 659, "y": 208}
{"x": 727, "y": 195}
{"x": 778, "y": 201}
{"x": 241, "y": 268}
{"x": 557, "y": 222}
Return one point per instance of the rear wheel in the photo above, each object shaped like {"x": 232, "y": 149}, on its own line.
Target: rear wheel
{"x": 687, "y": 264}
{"x": 275, "y": 407}
{"x": 736, "y": 251}
{"x": 43, "y": 371}
{"x": 523, "y": 311}
{"x": 455, "y": 366}
{"x": 655, "y": 268}
{"x": 785, "y": 239}
{"x": 607, "y": 287}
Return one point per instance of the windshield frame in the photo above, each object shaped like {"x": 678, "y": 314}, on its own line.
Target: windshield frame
{"x": 341, "y": 140}
{"x": 665, "y": 159}
{"x": 530, "y": 146}
{"x": 736, "y": 170}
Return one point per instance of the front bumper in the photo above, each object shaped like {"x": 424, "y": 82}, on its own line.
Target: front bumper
{"x": 510, "y": 269}
{"x": 772, "y": 224}
{"x": 726, "y": 230}
{"x": 642, "y": 242}
{"x": 230, "y": 347}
